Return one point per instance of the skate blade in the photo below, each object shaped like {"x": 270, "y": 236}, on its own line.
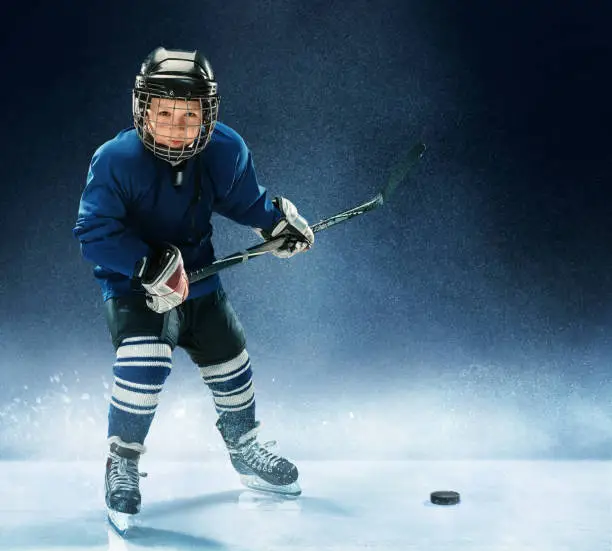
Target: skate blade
{"x": 120, "y": 522}
{"x": 254, "y": 482}
{"x": 267, "y": 501}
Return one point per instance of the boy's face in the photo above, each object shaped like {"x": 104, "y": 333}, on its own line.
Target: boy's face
{"x": 174, "y": 123}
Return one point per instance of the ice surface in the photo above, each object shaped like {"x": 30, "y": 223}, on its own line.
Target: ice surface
{"x": 345, "y": 506}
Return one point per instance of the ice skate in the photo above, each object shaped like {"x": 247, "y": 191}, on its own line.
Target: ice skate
{"x": 122, "y": 484}
{"x": 260, "y": 468}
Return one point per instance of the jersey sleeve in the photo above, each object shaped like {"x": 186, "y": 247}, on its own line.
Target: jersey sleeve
{"x": 101, "y": 227}
{"x": 239, "y": 196}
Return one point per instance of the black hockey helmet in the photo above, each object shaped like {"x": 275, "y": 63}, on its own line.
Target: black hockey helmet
{"x": 181, "y": 76}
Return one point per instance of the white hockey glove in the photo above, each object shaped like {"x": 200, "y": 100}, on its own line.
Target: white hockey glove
{"x": 164, "y": 278}
{"x": 298, "y": 235}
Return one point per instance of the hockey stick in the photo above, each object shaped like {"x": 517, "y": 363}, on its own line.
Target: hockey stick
{"x": 398, "y": 174}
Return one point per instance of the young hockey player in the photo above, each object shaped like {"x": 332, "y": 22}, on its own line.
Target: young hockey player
{"x": 144, "y": 219}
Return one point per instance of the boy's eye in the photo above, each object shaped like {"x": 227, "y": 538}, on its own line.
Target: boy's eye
{"x": 163, "y": 114}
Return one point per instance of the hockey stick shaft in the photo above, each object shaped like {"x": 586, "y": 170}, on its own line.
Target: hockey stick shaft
{"x": 268, "y": 246}
{"x": 398, "y": 174}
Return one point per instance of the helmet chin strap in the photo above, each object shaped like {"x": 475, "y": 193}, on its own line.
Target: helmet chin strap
{"x": 173, "y": 162}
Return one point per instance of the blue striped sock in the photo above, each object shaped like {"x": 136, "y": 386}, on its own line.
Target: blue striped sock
{"x": 233, "y": 393}
{"x": 141, "y": 368}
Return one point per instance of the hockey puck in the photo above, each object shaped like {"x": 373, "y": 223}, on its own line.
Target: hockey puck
{"x": 445, "y": 498}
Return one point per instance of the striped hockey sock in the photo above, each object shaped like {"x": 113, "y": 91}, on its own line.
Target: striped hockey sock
{"x": 233, "y": 393}
{"x": 141, "y": 368}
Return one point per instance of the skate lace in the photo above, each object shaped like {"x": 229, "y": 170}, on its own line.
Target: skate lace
{"x": 124, "y": 473}
{"x": 260, "y": 457}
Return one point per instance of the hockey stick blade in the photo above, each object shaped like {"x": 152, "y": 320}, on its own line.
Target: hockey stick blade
{"x": 398, "y": 174}
{"x": 402, "y": 169}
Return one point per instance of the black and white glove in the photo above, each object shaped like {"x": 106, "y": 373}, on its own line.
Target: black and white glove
{"x": 163, "y": 276}
{"x": 298, "y": 235}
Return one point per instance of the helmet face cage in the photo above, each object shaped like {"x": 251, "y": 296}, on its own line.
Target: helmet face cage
{"x": 154, "y": 125}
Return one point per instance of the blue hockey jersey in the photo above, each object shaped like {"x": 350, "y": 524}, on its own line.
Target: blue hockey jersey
{"x": 131, "y": 204}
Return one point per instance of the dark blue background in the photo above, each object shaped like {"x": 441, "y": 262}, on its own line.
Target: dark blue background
{"x": 470, "y": 317}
